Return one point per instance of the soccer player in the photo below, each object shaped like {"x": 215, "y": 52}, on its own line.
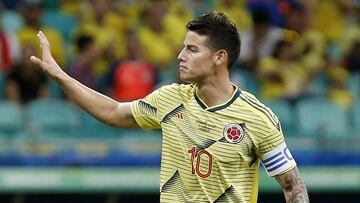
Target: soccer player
{"x": 214, "y": 134}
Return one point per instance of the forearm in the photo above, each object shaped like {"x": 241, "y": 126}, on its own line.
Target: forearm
{"x": 293, "y": 187}
{"x": 98, "y": 105}
{"x": 297, "y": 194}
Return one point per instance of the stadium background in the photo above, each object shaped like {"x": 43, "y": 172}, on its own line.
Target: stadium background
{"x": 300, "y": 57}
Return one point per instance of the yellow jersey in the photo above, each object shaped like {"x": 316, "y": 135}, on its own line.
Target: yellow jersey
{"x": 212, "y": 154}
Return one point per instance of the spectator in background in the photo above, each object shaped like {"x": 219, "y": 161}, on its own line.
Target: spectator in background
{"x": 72, "y": 7}
{"x": 350, "y": 44}
{"x": 352, "y": 58}
{"x": 82, "y": 67}
{"x": 309, "y": 43}
{"x": 280, "y": 75}
{"x": 9, "y": 48}
{"x": 236, "y": 10}
{"x": 25, "y": 81}
{"x": 259, "y": 41}
{"x": 309, "y": 46}
{"x": 181, "y": 11}
{"x": 159, "y": 29}
{"x": 338, "y": 91}
{"x": 156, "y": 41}
{"x": 32, "y": 11}
{"x": 276, "y": 9}
{"x": 107, "y": 28}
{"x": 159, "y": 40}
{"x": 134, "y": 77}
{"x": 324, "y": 10}
{"x": 176, "y": 16}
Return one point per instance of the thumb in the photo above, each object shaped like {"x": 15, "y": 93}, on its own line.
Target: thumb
{"x": 36, "y": 60}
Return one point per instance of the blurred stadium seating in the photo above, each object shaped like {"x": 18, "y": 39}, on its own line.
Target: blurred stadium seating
{"x": 67, "y": 135}
{"x": 320, "y": 117}
{"x": 11, "y": 118}
{"x": 285, "y": 113}
{"x": 356, "y": 119}
{"x": 354, "y": 85}
{"x": 51, "y": 132}
{"x": 52, "y": 115}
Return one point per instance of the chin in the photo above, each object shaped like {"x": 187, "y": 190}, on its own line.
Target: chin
{"x": 184, "y": 76}
{"x": 188, "y": 78}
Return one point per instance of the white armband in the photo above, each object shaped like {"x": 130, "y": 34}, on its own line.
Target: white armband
{"x": 278, "y": 160}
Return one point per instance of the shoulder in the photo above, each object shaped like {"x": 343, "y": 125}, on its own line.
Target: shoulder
{"x": 177, "y": 89}
{"x": 169, "y": 96}
{"x": 258, "y": 108}
{"x": 248, "y": 94}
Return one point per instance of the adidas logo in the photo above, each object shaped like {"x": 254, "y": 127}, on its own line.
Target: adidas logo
{"x": 179, "y": 116}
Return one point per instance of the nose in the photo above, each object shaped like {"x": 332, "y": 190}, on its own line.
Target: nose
{"x": 181, "y": 56}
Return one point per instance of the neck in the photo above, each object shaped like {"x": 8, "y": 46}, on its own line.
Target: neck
{"x": 215, "y": 92}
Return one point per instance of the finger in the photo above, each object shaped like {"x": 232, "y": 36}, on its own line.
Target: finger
{"x": 36, "y": 60}
{"x": 44, "y": 44}
{"x": 43, "y": 36}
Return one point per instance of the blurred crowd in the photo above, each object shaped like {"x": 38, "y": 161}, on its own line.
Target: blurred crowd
{"x": 291, "y": 49}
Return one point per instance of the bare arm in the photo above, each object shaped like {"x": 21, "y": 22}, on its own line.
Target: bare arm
{"x": 100, "y": 106}
{"x": 293, "y": 187}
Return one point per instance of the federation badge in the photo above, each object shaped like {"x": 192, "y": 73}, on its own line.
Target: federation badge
{"x": 233, "y": 133}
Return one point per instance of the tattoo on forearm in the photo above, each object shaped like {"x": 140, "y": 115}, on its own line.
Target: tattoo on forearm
{"x": 294, "y": 188}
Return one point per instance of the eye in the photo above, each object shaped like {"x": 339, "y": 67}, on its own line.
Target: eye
{"x": 192, "y": 49}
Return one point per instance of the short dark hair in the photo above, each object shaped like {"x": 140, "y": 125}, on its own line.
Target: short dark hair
{"x": 222, "y": 33}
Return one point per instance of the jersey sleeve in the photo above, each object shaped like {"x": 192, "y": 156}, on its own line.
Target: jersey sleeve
{"x": 146, "y": 111}
{"x": 149, "y": 111}
{"x": 272, "y": 149}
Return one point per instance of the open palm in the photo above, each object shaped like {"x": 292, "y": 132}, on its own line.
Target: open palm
{"x": 48, "y": 63}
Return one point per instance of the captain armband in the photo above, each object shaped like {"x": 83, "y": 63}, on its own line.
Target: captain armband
{"x": 278, "y": 160}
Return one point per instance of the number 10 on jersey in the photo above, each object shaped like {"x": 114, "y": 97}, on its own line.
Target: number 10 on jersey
{"x": 197, "y": 167}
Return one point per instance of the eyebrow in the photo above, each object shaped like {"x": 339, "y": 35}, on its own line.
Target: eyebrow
{"x": 191, "y": 46}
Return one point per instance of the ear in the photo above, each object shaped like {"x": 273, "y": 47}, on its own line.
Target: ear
{"x": 220, "y": 57}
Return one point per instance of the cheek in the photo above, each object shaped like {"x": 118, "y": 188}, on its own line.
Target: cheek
{"x": 206, "y": 63}
{"x": 201, "y": 60}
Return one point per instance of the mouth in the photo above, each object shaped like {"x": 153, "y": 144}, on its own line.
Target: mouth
{"x": 182, "y": 67}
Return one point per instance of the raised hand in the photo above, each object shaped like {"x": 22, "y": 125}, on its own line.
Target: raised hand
{"x": 48, "y": 63}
